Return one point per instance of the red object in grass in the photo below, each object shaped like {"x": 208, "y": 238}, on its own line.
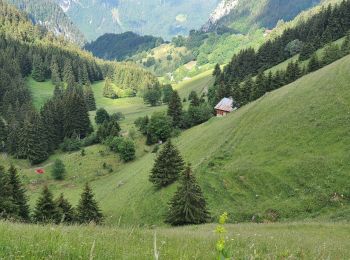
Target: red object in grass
{"x": 40, "y": 171}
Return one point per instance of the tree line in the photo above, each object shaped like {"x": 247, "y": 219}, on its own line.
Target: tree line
{"x": 14, "y": 204}
{"x": 328, "y": 25}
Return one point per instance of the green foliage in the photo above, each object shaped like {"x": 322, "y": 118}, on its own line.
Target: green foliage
{"x": 153, "y": 96}
{"x": 88, "y": 210}
{"x": 109, "y": 128}
{"x": 108, "y": 90}
{"x": 221, "y": 243}
{"x": 188, "y": 206}
{"x": 159, "y": 128}
{"x": 45, "y": 210}
{"x": 126, "y": 150}
{"x": 65, "y": 211}
{"x": 71, "y": 144}
{"x": 142, "y": 124}
{"x": 167, "y": 91}
{"x": 101, "y": 116}
{"x": 294, "y": 47}
{"x": 121, "y": 46}
{"x": 89, "y": 98}
{"x": 38, "y": 72}
{"x": 167, "y": 166}
{"x": 58, "y": 170}
{"x": 175, "y": 109}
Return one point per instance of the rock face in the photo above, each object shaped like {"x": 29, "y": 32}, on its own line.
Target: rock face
{"x": 224, "y": 8}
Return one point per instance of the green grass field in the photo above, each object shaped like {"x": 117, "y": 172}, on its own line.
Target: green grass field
{"x": 244, "y": 241}
{"x": 281, "y": 157}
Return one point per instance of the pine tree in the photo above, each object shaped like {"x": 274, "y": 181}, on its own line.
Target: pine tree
{"x": 108, "y": 90}
{"x": 175, "y": 108}
{"x": 188, "y": 206}
{"x": 88, "y": 210}
{"x": 34, "y": 139}
{"x": 58, "y": 170}
{"x": 3, "y": 134}
{"x": 8, "y": 207}
{"x": 194, "y": 99}
{"x": 68, "y": 74}
{"x": 314, "y": 63}
{"x": 167, "y": 167}
{"x": 45, "y": 210}
{"x": 55, "y": 73}
{"x": 38, "y": 72}
{"x": 89, "y": 98}
{"x": 65, "y": 210}
{"x": 217, "y": 74}
{"x": 18, "y": 194}
{"x": 76, "y": 121}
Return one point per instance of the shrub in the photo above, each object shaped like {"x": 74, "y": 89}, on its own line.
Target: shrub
{"x": 126, "y": 150}
{"x": 58, "y": 170}
{"x": 101, "y": 116}
{"x": 71, "y": 145}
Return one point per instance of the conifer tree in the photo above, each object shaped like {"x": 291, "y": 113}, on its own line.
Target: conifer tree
{"x": 45, "y": 210}
{"x": 306, "y": 52}
{"x": 35, "y": 139}
{"x": 108, "y": 90}
{"x": 194, "y": 99}
{"x": 89, "y": 98}
{"x": 167, "y": 167}
{"x": 314, "y": 63}
{"x": 101, "y": 116}
{"x": 217, "y": 73}
{"x": 76, "y": 121}
{"x": 58, "y": 170}
{"x": 3, "y": 134}
{"x": 68, "y": 74}
{"x": 38, "y": 72}
{"x": 88, "y": 210}
{"x": 55, "y": 73}
{"x": 188, "y": 206}
{"x": 65, "y": 211}
{"x": 18, "y": 194}
{"x": 8, "y": 208}
{"x": 175, "y": 108}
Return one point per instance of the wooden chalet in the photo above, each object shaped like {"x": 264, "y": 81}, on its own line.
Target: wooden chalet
{"x": 224, "y": 107}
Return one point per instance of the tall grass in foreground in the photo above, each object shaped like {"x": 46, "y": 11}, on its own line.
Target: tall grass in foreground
{"x": 245, "y": 241}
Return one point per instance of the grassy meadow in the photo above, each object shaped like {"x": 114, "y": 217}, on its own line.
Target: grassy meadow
{"x": 282, "y": 157}
{"x": 244, "y": 241}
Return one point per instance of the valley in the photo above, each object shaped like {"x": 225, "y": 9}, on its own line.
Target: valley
{"x": 122, "y": 152}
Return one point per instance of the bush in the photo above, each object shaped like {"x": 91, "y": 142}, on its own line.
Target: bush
{"x": 58, "y": 170}
{"x": 101, "y": 116}
{"x": 90, "y": 140}
{"x": 71, "y": 145}
{"x": 126, "y": 150}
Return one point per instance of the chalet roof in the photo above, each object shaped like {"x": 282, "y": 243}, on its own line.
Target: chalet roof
{"x": 225, "y": 105}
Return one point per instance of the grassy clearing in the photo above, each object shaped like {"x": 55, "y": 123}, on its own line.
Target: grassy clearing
{"x": 246, "y": 241}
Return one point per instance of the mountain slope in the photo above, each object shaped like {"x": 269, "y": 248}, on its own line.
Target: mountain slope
{"x": 48, "y": 14}
{"x": 121, "y": 46}
{"x": 164, "y": 18}
{"x": 284, "y": 156}
{"x": 241, "y": 15}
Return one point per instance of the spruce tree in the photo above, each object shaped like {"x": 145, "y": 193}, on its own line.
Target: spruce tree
{"x": 55, "y": 73}
{"x": 89, "y": 98}
{"x": 3, "y": 134}
{"x": 194, "y": 99}
{"x": 108, "y": 90}
{"x": 35, "y": 139}
{"x": 18, "y": 194}
{"x": 188, "y": 206}
{"x": 45, "y": 210}
{"x": 38, "y": 72}
{"x": 306, "y": 52}
{"x": 58, "y": 170}
{"x": 167, "y": 167}
{"x": 101, "y": 116}
{"x": 8, "y": 207}
{"x": 175, "y": 108}
{"x": 88, "y": 210}
{"x": 68, "y": 74}
{"x": 76, "y": 121}
{"x": 65, "y": 211}
{"x": 314, "y": 63}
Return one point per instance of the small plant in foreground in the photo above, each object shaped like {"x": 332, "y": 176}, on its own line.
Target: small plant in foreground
{"x": 220, "y": 244}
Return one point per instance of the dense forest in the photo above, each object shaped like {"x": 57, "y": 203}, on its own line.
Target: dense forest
{"x": 26, "y": 50}
{"x": 121, "y": 46}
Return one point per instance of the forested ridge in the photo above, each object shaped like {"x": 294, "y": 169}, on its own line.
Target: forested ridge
{"x": 27, "y": 50}
{"x": 330, "y": 24}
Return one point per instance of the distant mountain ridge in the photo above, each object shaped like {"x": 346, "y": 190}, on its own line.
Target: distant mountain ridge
{"x": 161, "y": 18}
{"x": 50, "y": 15}
{"x": 243, "y": 15}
